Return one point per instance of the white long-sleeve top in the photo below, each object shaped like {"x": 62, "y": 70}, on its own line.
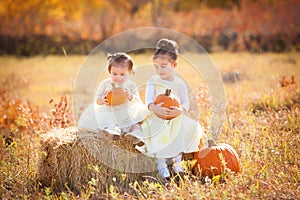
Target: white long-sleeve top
{"x": 156, "y": 86}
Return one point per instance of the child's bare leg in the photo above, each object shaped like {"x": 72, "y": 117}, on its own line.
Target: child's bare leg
{"x": 134, "y": 134}
{"x": 112, "y": 133}
{"x": 136, "y": 126}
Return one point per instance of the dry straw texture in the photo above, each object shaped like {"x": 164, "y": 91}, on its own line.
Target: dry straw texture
{"x": 73, "y": 157}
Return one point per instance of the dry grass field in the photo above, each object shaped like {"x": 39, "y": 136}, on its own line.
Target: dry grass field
{"x": 43, "y": 78}
{"x": 262, "y": 124}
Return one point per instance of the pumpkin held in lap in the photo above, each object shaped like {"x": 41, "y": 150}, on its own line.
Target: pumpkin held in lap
{"x": 116, "y": 96}
{"x": 168, "y": 101}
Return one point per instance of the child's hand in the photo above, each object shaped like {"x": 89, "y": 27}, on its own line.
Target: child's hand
{"x": 102, "y": 100}
{"x": 174, "y": 111}
{"x": 171, "y": 112}
{"x": 158, "y": 109}
{"x": 129, "y": 95}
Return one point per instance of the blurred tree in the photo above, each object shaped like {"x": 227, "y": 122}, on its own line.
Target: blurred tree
{"x": 25, "y": 18}
{"x": 99, "y": 18}
{"x": 195, "y": 4}
{"x": 226, "y": 4}
{"x": 212, "y": 21}
{"x": 187, "y": 5}
{"x": 130, "y": 6}
{"x": 162, "y": 12}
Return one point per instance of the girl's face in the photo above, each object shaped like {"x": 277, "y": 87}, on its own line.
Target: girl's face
{"x": 119, "y": 74}
{"x": 164, "y": 68}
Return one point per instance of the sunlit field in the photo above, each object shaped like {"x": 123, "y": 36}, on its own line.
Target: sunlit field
{"x": 262, "y": 124}
{"x": 43, "y": 78}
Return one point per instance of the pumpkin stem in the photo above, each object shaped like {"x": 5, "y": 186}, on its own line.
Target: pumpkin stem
{"x": 115, "y": 86}
{"x": 211, "y": 143}
{"x": 168, "y": 92}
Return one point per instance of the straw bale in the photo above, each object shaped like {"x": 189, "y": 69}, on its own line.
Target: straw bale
{"x": 74, "y": 156}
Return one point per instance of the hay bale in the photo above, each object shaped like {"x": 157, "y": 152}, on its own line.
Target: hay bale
{"x": 75, "y": 156}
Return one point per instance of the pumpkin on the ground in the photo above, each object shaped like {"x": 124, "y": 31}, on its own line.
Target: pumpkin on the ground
{"x": 168, "y": 101}
{"x": 116, "y": 96}
{"x": 214, "y": 159}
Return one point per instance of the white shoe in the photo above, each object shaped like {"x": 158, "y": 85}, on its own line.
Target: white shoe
{"x": 164, "y": 172}
{"x": 177, "y": 168}
{"x": 177, "y": 164}
{"x": 162, "y": 167}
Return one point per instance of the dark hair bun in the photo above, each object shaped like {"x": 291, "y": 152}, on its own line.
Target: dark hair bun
{"x": 112, "y": 57}
{"x": 168, "y": 45}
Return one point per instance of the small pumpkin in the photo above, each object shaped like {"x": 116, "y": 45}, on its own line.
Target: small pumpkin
{"x": 116, "y": 96}
{"x": 168, "y": 100}
{"x": 210, "y": 160}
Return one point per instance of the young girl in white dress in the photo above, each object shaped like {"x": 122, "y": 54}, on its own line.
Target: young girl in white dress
{"x": 118, "y": 119}
{"x": 165, "y": 139}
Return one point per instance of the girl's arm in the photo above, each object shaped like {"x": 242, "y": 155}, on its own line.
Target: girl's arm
{"x": 150, "y": 92}
{"x": 133, "y": 92}
{"x": 184, "y": 98}
{"x": 100, "y": 97}
{"x": 150, "y": 96}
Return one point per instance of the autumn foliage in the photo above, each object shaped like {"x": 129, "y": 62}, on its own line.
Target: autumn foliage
{"x": 77, "y": 26}
{"x": 19, "y": 116}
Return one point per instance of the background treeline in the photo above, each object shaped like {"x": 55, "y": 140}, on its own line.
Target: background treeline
{"x": 33, "y": 27}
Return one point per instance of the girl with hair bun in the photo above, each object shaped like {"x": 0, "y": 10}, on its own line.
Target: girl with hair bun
{"x": 168, "y": 132}
{"x": 124, "y": 118}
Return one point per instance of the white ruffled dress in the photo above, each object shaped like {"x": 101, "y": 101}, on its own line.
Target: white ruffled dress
{"x": 100, "y": 117}
{"x": 168, "y": 138}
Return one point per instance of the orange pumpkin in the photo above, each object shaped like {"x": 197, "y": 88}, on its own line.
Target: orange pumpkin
{"x": 210, "y": 160}
{"x": 168, "y": 100}
{"x": 116, "y": 96}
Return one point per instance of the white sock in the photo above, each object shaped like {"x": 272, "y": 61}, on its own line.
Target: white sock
{"x": 177, "y": 167}
{"x": 162, "y": 167}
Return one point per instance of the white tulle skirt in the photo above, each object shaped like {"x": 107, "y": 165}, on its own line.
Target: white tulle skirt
{"x": 168, "y": 138}
{"x": 96, "y": 117}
